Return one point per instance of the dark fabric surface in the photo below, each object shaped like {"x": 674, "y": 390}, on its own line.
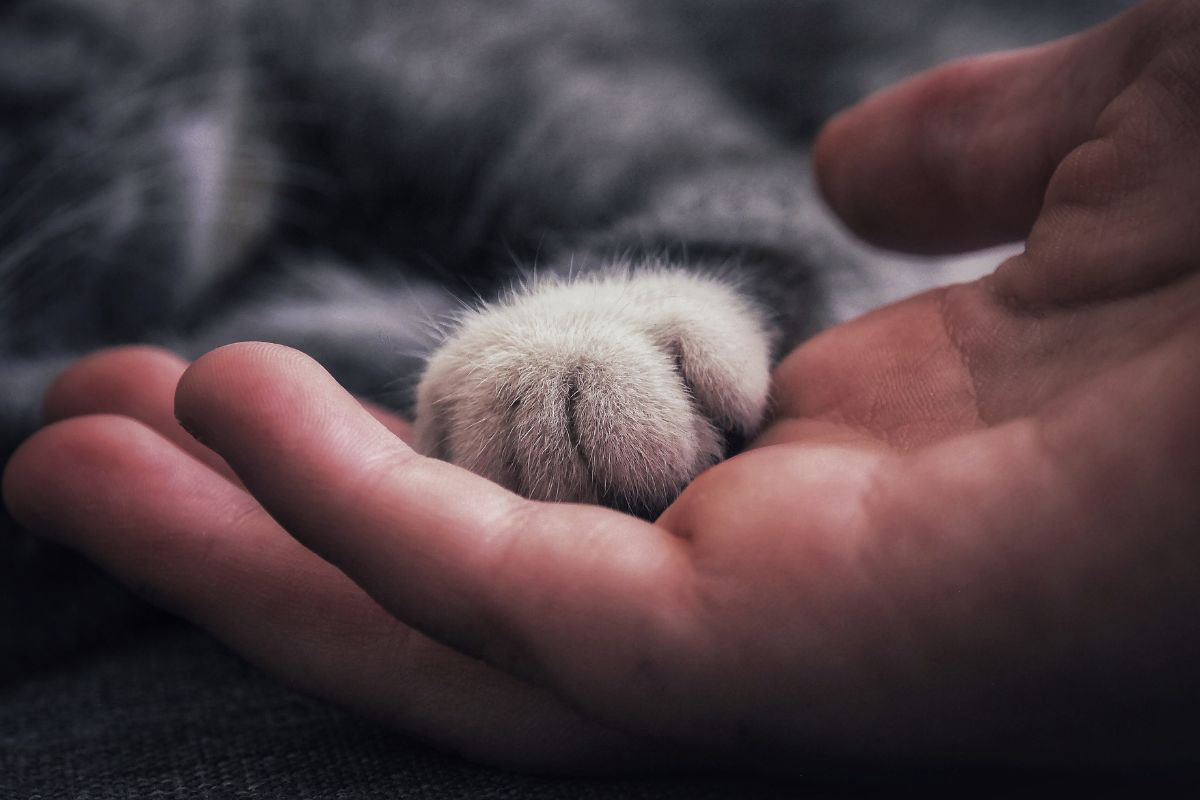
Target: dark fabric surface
{"x": 170, "y": 714}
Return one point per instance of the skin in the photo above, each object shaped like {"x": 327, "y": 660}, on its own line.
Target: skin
{"x": 970, "y": 536}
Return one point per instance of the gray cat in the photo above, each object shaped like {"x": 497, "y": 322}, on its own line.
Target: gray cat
{"x": 587, "y": 227}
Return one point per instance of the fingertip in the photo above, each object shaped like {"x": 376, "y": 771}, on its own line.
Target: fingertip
{"x": 42, "y": 478}
{"x": 233, "y": 363}
{"x": 278, "y": 418}
{"x": 829, "y": 162}
{"x": 244, "y": 378}
{"x": 29, "y": 475}
{"x": 117, "y": 380}
{"x": 15, "y": 479}
{"x": 886, "y": 165}
{"x": 245, "y": 365}
{"x": 893, "y": 166}
{"x": 957, "y": 158}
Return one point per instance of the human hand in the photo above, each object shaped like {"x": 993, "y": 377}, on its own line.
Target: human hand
{"x": 969, "y": 536}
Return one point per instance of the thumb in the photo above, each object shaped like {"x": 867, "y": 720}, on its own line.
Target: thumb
{"x": 958, "y": 158}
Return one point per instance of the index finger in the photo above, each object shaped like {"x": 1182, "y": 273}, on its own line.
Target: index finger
{"x": 537, "y": 588}
{"x": 958, "y": 158}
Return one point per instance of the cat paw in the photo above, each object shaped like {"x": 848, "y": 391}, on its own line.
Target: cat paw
{"x": 614, "y": 389}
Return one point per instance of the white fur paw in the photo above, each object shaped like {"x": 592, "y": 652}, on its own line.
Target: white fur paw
{"x": 616, "y": 389}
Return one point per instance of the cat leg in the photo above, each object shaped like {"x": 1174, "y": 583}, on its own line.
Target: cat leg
{"x": 619, "y": 385}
